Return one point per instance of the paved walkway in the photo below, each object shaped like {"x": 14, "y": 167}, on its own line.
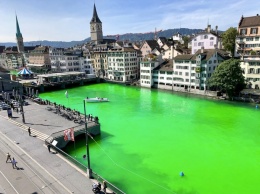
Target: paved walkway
{"x": 38, "y": 170}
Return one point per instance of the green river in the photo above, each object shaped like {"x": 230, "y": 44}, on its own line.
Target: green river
{"x": 150, "y": 136}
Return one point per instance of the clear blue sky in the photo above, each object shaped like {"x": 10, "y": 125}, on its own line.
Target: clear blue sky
{"x": 67, "y": 20}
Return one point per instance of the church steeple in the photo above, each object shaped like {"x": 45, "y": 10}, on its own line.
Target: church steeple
{"x": 19, "y": 37}
{"x": 95, "y": 18}
{"x": 18, "y": 33}
{"x": 96, "y": 32}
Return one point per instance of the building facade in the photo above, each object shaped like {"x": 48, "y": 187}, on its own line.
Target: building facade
{"x": 122, "y": 64}
{"x": 191, "y": 72}
{"x": 248, "y": 48}
{"x": 208, "y": 39}
{"x": 147, "y": 65}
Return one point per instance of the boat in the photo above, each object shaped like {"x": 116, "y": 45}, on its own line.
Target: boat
{"x": 97, "y": 99}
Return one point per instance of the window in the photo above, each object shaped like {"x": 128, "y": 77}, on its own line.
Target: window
{"x": 243, "y": 32}
{"x": 253, "y": 30}
{"x": 205, "y": 36}
{"x": 256, "y": 38}
{"x": 200, "y": 44}
{"x": 187, "y": 74}
{"x": 211, "y": 38}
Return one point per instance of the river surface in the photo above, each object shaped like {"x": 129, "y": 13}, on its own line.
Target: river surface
{"x": 150, "y": 136}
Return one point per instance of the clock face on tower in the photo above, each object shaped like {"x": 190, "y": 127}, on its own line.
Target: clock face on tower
{"x": 92, "y": 27}
{"x": 98, "y": 26}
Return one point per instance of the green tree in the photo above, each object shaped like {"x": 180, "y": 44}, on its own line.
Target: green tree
{"x": 229, "y": 40}
{"x": 186, "y": 40}
{"x": 228, "y": 77}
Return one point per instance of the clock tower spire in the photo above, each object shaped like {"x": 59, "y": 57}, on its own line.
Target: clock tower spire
{"x": 19, "y": 38}
{"x": 96, "y": 27}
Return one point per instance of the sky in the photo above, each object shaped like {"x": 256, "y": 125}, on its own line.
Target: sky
{"x": 68, "y": 20}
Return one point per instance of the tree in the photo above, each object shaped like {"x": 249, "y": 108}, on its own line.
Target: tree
{"x": 186, "y": 40}
{"x": 228, "y": 77}
{"x": 229, "y": 40}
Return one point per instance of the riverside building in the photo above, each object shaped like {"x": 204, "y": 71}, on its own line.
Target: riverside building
{"x": 248, "y": 49}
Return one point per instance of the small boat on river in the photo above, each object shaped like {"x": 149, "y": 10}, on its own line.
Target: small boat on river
{"x": 97, "y": 99}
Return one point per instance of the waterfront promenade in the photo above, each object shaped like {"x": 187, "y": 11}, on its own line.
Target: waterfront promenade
{"x": 39, "y": 171}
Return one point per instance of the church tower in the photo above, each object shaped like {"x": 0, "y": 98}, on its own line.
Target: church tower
{"x": 96, "y": 28}
{"x": 19, "y": 38}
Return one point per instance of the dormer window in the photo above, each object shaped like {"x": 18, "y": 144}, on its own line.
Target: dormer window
{"x": 206, "y": 37}
{"x": 211, "y": 38}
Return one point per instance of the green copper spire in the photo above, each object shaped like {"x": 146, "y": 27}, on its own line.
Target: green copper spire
{"x": 18, "y": 33}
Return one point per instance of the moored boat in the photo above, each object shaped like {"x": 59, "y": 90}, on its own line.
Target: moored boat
{"x": 97, "y": 99}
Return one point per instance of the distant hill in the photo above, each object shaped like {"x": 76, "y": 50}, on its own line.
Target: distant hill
{"x": 129, "y": 36}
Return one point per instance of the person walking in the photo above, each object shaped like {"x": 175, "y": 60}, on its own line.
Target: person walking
{"x": 14, "y": 163}
{"x": 29, "y": 131}
{"x": 8, "y": 157}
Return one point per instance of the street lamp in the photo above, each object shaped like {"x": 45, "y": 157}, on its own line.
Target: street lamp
{"x": 89, "y": 171}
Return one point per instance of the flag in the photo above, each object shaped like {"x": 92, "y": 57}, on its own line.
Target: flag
{"x": 66, "y": 94}
{"x": 69, "y": 134}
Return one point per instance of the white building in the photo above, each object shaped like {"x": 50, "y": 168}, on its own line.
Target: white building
{"x": 69, "y": 61}
{"x": 208, "y": 39}
{"x": 191, "y": 72}
{"x": 163, "y": 75}
{"x": 147, "y": 65}
{"x": 122, "y": 64}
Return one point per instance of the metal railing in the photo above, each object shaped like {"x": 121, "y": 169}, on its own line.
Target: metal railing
{"x": 83, "y": 167}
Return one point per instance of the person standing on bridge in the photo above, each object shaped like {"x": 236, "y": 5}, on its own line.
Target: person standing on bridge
{"x": 29, "y": 131}
{"x": 49, "y": 147}
{"x": 8, "y": 157}
{"x": 14, "y": 163}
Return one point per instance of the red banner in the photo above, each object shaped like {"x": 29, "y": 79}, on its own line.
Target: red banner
{"x": 69, "y": 134}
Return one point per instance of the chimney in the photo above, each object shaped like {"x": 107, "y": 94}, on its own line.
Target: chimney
{"x": 202, "y": 49}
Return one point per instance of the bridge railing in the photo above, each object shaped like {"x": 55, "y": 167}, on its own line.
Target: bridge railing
{"x": 84, "y": 168}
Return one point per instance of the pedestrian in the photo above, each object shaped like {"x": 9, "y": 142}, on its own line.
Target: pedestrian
{"x": 14, "y": 163}
{"x": 29, "y": 131}
{"x": 49, "y": 147}
{"x": 105, "y": 187}
{"x": 8, "y": 157}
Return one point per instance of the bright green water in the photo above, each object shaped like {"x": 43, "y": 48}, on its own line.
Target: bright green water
{"x": 149, "y": 136}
